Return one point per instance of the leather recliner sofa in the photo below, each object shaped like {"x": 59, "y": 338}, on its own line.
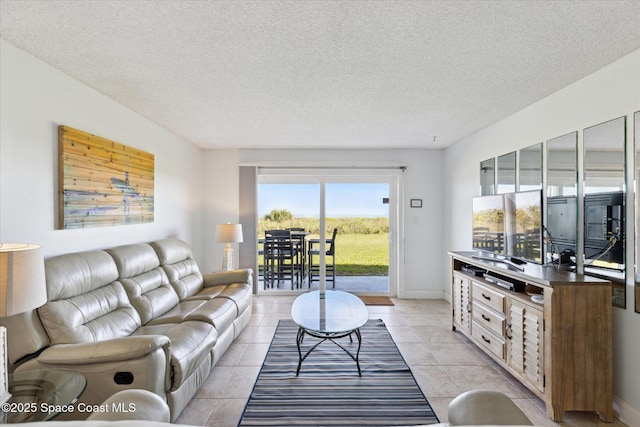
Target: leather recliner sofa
{"x": 135, "y": 316}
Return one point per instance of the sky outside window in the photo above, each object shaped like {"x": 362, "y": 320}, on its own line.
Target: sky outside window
{"x": 343, "y": 200}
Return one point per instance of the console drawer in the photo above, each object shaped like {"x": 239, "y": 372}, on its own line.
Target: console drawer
{"x": 488, "y": 297}
{"x": 488, "y": 339}
{"x": 488, "y": 318}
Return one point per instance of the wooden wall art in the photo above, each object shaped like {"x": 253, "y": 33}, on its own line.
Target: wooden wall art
{"x": 102, "y": 182}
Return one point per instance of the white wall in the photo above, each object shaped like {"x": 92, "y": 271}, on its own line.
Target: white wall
{"x": 607, "y": 94}
{"x": 35, "y": 99}
{"x": 422, "y": 180}
{"x": 220, "y": 202}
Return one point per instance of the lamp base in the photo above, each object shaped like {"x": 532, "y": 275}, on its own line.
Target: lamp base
{"x": 227, "y": 258}
{"x": 4, "y": 369}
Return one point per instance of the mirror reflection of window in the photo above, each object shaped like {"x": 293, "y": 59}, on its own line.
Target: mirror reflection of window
{"x": 530, "y": 168}
{"x": 604, "y": 212}
{"x": 507, "y": 173}
{"x": 604, "y": 157}
{"x": 637, "y": 208}
{"x": 488, "y": 177}
{"x": 562, "y": 165}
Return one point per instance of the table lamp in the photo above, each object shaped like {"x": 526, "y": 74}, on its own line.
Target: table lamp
{"x": 22, "y": 288}
{"x": 228, "y": 233}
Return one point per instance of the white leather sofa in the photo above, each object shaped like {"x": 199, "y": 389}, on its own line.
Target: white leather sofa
{"x": 138, "y": 316}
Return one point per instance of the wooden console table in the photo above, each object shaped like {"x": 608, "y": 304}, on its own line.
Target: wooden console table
{"x": 559, "y": 347}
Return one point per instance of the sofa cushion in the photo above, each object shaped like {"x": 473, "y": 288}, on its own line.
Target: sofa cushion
{"x": 177, "y": 314}
{"x": 78, "y": 273}
{"x": 185, "y": 277}
{"x": 219, "y": 312}
{"x": 95, "y": 316}
{"x": 176, "y": 258}
{"x": 239, "y": 293}
{"x": 145, "y": 282}
{"x": 135, "y": 259}
{"x": 191, "y": 343}
{"x": 86, "y": 303}
{"x": 171, "y": 250}
{"x": 207, "y": 293}
{"x": 151, "y": 294}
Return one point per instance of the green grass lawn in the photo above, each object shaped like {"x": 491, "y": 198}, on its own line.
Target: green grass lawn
{"x": 362, "y": 254}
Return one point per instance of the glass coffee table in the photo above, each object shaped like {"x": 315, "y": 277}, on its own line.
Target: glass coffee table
{"x": 337, "y": 314}
{"x": 41, "y": 395}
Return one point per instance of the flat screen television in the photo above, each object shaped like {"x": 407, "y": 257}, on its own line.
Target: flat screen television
{"x": 488, "y": 223}
{"x": 509, "y": 225}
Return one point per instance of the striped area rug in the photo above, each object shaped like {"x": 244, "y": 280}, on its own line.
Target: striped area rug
{"x": 329, "y": 390}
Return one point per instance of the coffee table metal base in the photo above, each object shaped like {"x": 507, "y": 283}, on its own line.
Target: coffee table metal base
{"x": 328, "y": 337}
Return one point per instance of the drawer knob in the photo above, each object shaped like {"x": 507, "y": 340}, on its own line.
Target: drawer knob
{"x": 488, "y": 319}
{"x": 488, "y": 341}
{"x": 486, "y": 297}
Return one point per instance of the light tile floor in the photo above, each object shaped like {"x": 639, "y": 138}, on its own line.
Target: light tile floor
{"x": 444, "y": 363}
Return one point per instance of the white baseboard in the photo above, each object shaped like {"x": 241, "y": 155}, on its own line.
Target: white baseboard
{"x": 447, "y": 296}
{"x": 625, "y": 412}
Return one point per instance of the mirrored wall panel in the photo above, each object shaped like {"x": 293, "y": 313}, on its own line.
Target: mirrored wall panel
{"x": 636, "y": 210}
{"x": 530, "y": 168}
{"x": 604, "y": 211}
{"x": 562, "y": 204}
{"x": 488, "y": 177}
{"x": 604, "y": 157}
{"x": 506, "y": 173}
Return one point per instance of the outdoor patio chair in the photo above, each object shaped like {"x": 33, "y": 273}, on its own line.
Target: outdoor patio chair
{"x": 314, "y": 269}
{"x": 301, "y": 234}
{"x": 282, "y": 258}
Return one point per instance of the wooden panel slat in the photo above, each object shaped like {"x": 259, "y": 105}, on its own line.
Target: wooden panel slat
{"x": 102, "y": 182}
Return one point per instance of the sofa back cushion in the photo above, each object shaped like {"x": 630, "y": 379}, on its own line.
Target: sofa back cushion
{"x": 86, "y": 302}
{"x": 144, "y": 280}
{"x": 177, "y": 262}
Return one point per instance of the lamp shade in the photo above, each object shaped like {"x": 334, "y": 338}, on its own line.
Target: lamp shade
{"x": 228, "y": 233}
{"x": 22, "y": 279}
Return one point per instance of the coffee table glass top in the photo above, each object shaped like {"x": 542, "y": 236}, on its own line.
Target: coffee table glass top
{"x": 337, "y": 312}
{"x": 39, "y": 395}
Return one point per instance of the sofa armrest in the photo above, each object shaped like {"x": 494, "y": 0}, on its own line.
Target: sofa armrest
{"x": 138, "y": 361}
{"x": 227, "y": 277}
{"x": 114, "y": 350}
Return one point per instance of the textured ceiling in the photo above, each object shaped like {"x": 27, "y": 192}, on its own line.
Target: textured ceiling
{"x": 308, "y": 74}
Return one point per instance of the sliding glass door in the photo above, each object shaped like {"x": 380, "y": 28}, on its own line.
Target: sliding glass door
{"x": 360, "y": 213}
{"x": 358, "y": 206}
